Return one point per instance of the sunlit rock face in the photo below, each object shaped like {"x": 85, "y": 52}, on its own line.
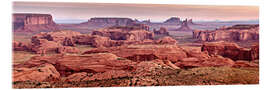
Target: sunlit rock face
{"x": 29, "y": 22}
{"x": 235, "y": 33}
{"x": 231, "y": 50}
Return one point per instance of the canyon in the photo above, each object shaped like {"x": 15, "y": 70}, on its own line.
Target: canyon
{"x": 126, "y": 52}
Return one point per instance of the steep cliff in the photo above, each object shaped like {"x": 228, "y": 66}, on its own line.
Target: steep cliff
{"x": 185, "y": 25}
{"x": 28, "y": 22}
{"x": 234, "y": 33}
{"x": 231, "y": 50}
{"x": 110, "y": 21}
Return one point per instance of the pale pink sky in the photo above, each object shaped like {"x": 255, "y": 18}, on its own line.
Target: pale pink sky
{"x": 154, "y": 12}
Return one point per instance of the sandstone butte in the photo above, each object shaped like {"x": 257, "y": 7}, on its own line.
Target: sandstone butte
{"x": 29, "y": 22}
{"x": 185, "y": 25}
{"x": 234, "y": 33}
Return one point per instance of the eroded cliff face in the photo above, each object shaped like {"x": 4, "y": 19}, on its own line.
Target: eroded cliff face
{"x": 185, "y": 25}
{"x": 27, "y": 22}
{"x": 120, "y": 34}
{"x": 235, "y": 33}
{"x": 109, "y": 21}
{"x": 232, "y": 50}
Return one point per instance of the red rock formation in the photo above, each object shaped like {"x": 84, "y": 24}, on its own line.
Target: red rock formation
{"x": 59, "y": 42}
{"x": 241, "y": 63}
{"x": 99, "y": 41}
{"x": 91, "y": 63}
{"x": 44, "y": 72}
{"x": 230, "y": 50}
{"x": 255, "y": 52}
{"x": 19, "y": 46}
{"x": 67, "y": 49}
{"x": 214, "y": 61}
{"x": 197, "y": 54}
{"x": 108, "y": 75}
{"x": 184, "y": 26}
{"x": 146, "y": 52}
{"x": 23, "y": 22}
{"x": 119, "y": 34}
{"x": 62, "y": 37}
{"x": 43, "y": 46}
{"x": 84, "y": 39}
{"x": 166, "y": 40}
{"x": 234, "y": 33}
{"x": 162, "y": 31}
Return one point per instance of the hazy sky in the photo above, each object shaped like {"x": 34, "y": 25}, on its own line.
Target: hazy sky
{"x": 154, "y": 12}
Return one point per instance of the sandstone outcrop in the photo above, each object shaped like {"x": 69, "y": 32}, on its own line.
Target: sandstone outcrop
{"x": 166, "y": 40}
{"x": 27, "y": 22}
{"x": 146, "y": 52}
{"x": 20, "y": 46}
{"x": 44, "y": 72}
{"x": 119, "y": 34}
{"x": 231, "y": 50}
{"x": 214, "y": 61}
{"x": 242, "y": 63}
{"x": 91, "y": 63}
{"x": 43, "y": 46}
{"x": 161, "y": 31}
{"x": 234, "y": 33}
{"x": 185, "y": 26}
{"x": 64, "y": 37}
{"x": 255, "y": 52}
{"x": 67, "y": 49}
